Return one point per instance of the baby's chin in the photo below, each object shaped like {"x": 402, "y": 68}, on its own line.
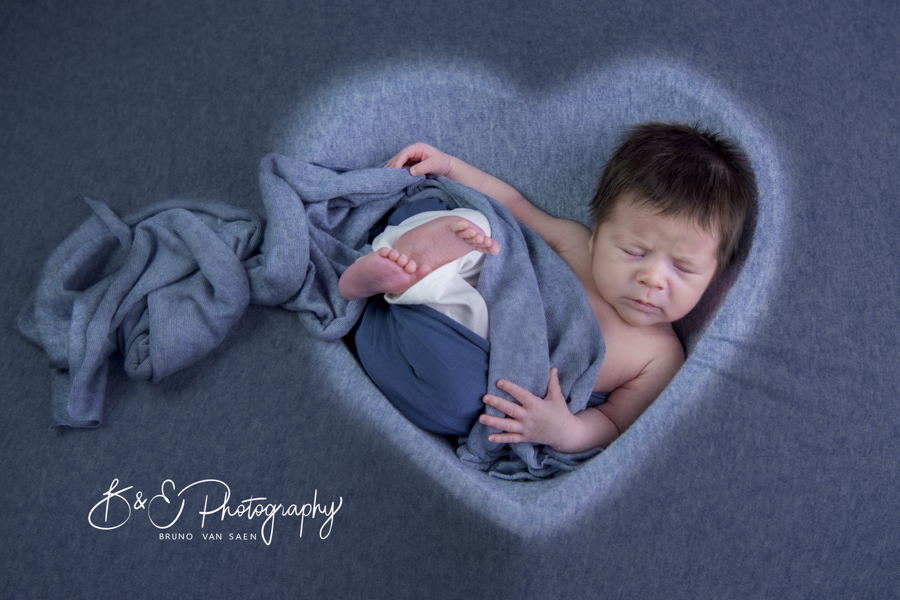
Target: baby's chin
{"x": 642, "y": 318}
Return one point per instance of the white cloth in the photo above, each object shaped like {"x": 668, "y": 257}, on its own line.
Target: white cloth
{"x": 449, "y": 289}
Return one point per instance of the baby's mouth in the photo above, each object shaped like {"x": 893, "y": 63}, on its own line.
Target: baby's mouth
{"x": 643, "y": 306}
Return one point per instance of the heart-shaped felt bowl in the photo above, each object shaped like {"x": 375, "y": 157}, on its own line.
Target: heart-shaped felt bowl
{"x": 550, "y": 145}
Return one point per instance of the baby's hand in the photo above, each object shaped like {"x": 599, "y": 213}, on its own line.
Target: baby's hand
{"x": 539, "y": 420}
{"x": 422, "y": 159}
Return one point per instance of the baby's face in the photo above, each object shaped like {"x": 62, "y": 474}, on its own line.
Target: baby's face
{"x": 651, "y": 269}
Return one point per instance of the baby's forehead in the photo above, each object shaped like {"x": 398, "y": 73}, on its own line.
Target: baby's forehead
{"x": 631, "y": 219}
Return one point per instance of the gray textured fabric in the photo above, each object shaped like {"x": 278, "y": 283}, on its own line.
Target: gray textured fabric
{"x": 163, "y": 286}
{"x": 166, "y": 285}
{"x": 769, "y": 468}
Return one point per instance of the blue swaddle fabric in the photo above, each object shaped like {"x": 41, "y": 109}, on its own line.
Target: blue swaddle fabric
{"x": 165, "y": 285}
{"x": 539, "y": 317}
{"x": 432, "y": 369}
{"x": 539, "y": 313}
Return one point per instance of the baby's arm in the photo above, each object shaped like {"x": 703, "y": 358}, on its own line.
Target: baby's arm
{"x": 424, "y": 159}
{"x": 548, "y": 420}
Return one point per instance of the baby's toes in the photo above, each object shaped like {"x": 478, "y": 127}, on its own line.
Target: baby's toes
{"x": 409, "y": 265}
{"x": 466, "y": 229}
{"x": 488, "y": 245}
{"x": 471, "y": 235}
{"x": 459, "y": 225}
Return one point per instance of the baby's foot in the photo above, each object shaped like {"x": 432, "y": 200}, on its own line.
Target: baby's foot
{"x": 384, "y": 271}
{"x": 443, "y": 240}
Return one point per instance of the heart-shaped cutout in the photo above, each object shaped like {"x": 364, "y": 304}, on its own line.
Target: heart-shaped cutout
{"x": 551, "y": 145}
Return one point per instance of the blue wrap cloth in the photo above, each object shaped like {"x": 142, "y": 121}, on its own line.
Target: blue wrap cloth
{"x": 163, "y": 286}
{"x": 432, "y": 369}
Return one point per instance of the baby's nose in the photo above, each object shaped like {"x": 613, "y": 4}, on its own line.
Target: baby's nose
{"x": 652, "y": 278}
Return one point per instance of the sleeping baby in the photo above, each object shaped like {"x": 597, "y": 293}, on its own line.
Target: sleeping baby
{"x": 667, "y": 216}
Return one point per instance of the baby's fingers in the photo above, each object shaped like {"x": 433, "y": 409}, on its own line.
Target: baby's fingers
{"x": 508, "y": 425}
{"x": 553, "y": 388}
{"x": 506, "y": 438}
{"x": 410, "y": 154}
{"x": 512, "y": 429}
{"x": 430, "y": 164}
{"x": 508, "y": 408}
{"x": 422, "y": 157}
{"x": 399, "y": 161}
{"x": 519, "y": 393}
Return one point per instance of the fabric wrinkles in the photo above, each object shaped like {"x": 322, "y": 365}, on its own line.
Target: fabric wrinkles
{"x": 165, "y": 285}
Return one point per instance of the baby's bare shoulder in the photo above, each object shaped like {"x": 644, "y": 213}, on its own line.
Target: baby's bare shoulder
{"x": 664, "y": 349}
{"x": 649, "y": 355}
{"x": 654, "y": 348}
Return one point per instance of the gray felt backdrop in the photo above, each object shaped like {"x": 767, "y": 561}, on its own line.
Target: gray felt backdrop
{"x": 770, "y": 466}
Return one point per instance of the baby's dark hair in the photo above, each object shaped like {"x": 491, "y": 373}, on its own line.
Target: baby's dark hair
{"x": 681, "y": 171}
